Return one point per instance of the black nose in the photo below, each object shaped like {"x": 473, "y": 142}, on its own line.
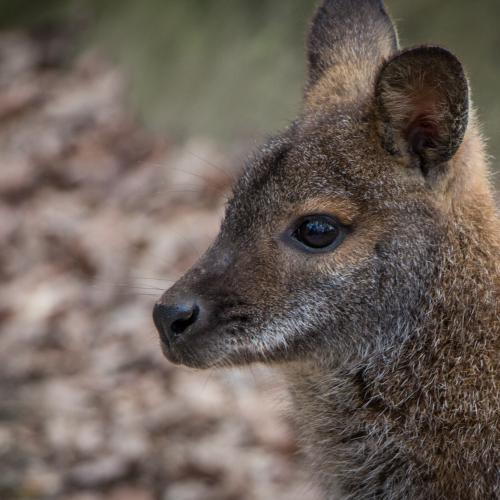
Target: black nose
{"x": 172, "y": 321}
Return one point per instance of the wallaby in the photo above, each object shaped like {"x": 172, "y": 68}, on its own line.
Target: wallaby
{"x": 359, "y": 254}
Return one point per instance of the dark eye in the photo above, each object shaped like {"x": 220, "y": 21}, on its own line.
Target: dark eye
{"x": 318, "y": 231}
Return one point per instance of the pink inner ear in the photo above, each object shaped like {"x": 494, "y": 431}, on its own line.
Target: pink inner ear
{"x": 424, "y": 126}
{"x": 423, "y": 129}
{"x": 422, "y": 99}
{"x": 422, "y": 135}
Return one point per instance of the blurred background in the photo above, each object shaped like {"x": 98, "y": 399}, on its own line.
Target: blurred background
{"x": 122, "y": 127}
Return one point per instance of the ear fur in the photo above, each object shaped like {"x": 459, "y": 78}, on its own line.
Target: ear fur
{"x": 422, "y": 99}
{"x": 349, "y": 34}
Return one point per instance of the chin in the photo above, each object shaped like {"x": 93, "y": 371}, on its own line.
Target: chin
{"x": 210, "y": 354}
{"x": 195, "y": 354}
{"x": 191, "y": 358}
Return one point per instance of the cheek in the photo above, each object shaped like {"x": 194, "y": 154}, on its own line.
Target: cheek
{"x": 355, "y": 252}
{"x": 271, "y": 275}
{"x": 258, "y": 278}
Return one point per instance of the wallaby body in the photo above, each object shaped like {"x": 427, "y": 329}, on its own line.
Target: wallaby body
{"x": 360, "y": 255}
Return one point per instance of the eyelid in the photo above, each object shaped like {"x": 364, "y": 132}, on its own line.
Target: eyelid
{"x": 300, "y": 220}
{"x": 340, "y": 208}
{"x": 289, "y": 239}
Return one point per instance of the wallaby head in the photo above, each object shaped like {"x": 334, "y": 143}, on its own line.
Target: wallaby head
{"x": 368, "y": 222}
{"x": 332, "y": 229}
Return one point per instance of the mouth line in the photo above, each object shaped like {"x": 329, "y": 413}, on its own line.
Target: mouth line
{"x": 198, "y": 352}
{"x": 189, "y": 359}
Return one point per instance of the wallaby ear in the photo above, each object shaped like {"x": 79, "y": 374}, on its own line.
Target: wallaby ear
{"x": 349, "y": 35}
{"x": 422, "y": 98}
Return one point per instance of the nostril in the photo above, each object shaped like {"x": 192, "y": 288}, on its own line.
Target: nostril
{"x": 173, "y": 320}
{"x": 181, "y": 324}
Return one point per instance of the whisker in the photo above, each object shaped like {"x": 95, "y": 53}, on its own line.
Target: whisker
{"x": 127, "y": 285}
{"x": 143, "y": 294}
{"x": 153, "y": 279}
{"x": 229, "y": 174}
{"x": 253, "y": 374}
{"x": 175, "y": 191}
{"x": 209, "y": 376}
{"x": 190, "y": 243}
{"x": 130, "y": 293}
{"x": 210, "y": 183}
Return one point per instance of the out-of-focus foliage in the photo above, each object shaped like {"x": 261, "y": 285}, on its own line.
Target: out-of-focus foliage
{"x": 98, "y": 214}
{"x": 232, "y": 68}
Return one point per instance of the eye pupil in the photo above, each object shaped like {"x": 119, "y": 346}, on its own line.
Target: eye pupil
{"x": 317, "y": 232}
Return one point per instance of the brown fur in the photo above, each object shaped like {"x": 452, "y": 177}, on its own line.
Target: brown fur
{"x": 389, "y": 342}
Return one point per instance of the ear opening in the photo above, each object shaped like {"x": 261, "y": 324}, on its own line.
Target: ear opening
{"x": 422, "y": 98}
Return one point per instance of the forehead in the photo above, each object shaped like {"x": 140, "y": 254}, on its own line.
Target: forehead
{"x": 328, "y": 158}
